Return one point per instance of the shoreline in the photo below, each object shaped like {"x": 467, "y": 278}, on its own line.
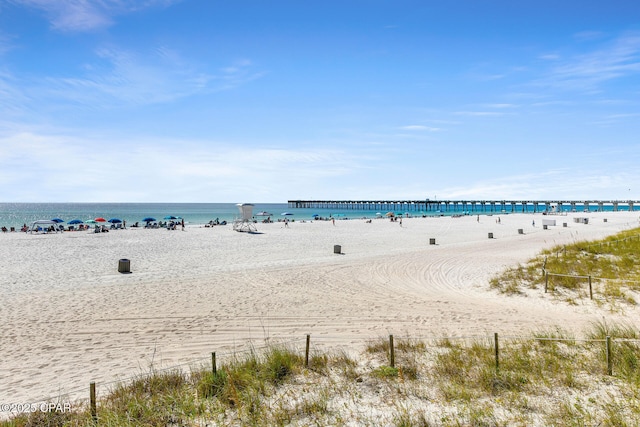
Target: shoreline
{"x": 71, "y": 318}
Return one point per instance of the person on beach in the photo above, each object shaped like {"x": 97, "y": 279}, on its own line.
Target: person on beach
{"x": 400, "y": 221}
{"x": 333, "y": 221}
{"x": 286, "y": 223}
{"x": 533, "y": 223}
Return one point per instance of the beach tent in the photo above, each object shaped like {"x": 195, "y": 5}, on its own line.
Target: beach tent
{"x": 44, "y": 224}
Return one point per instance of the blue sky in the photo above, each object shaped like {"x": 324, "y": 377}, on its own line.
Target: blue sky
{"x": 265, "y": 101}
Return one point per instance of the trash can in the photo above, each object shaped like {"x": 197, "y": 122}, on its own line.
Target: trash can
{"x": 605, "y": 219}
{"x": 124, "y": 266}
{"x": 564, "y": 224}
{"x": 432, "y": 241}
{"x": 337, "y": 249}
{"x": 544, "y": 227}
{"x": 520, "y": 231}
{"x": 491, "y": 235}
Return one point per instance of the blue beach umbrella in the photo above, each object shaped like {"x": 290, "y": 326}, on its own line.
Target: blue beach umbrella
{"x": 286, "y": 213}
{"x": 148, "y": 219}
{"x": 115, "y": 220}
{"x": 169, "y": 217}
{"x": 75, "y": 221}
{"x": 57, "y": 220}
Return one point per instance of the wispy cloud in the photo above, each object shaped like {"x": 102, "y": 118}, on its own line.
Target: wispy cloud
{"x": 118, "y": 76}
{"x": 479, "y": 113}
{"x": 618, "y": 59}
{"x": 420, "y": 128}
{"x": 87, "y": 15}
{"x": 5, "y": 43}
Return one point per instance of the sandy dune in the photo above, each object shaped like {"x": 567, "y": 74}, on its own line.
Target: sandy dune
{"x": 68, "y": 317}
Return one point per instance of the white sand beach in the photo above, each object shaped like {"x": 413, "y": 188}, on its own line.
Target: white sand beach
{"x": 69, "y": 317}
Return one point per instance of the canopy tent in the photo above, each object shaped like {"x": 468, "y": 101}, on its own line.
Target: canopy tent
{"x": 43, "y": 224}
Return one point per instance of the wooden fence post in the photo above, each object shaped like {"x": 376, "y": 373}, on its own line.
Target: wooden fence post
{"x": 214, "y": 368}
{"x": 92, "y": 401}
{"x": 546, "y": 281}
{"x": 306, "y": 352}
{"x": 392, "y": 354}
{"x": 609, "y": 361}
{"x": 590, "y": 289}
{"x": 497, "y": 351}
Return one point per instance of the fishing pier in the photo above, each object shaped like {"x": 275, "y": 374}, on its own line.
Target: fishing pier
{"x": 472, "y": 206}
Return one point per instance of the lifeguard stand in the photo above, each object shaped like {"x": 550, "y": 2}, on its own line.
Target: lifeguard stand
{"x": 245, "y": 222}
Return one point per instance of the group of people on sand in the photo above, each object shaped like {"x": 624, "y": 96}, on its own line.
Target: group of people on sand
{"x": 24, "y": 229}
{"x": 215, "y": 222}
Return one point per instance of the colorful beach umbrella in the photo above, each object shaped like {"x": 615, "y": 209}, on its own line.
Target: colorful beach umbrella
{"x": 91, "y": 221}
{"x": 170, "y": 217}
{"x": 100, "y": 219}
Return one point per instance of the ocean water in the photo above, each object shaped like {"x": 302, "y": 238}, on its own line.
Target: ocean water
{"x": 17, "y": 214}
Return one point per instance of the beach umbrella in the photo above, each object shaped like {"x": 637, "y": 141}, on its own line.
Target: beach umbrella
{"x": 75, "y": 221}
{"x": 100, "y": 219}
{"x": 378, "y": 214}
{"x": 389, "y": 214}
{"x": 170, "y": 217}
{"x": 57, "y": 220}
{"x": 315, "y": 215}
{"x": 115, "y": 220}
{"x": 286, "y": 213}
{"x": 263, "y": 213}
{"x": 148, "y": 219}
{"x": 91, "y": 221}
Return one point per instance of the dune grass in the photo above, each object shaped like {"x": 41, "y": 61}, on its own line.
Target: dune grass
{"x": 612, "y": 263}
{"x": 548, "y": 378}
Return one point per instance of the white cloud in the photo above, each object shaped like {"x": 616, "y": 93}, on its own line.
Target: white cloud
{"x": 37, "y": 167}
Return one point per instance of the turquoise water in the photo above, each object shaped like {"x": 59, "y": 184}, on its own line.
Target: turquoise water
{"x": 17, "y": 214}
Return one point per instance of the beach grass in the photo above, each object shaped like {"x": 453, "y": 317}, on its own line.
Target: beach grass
{"x": 611, "y": 265}
{"x": 547, "y": 378}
